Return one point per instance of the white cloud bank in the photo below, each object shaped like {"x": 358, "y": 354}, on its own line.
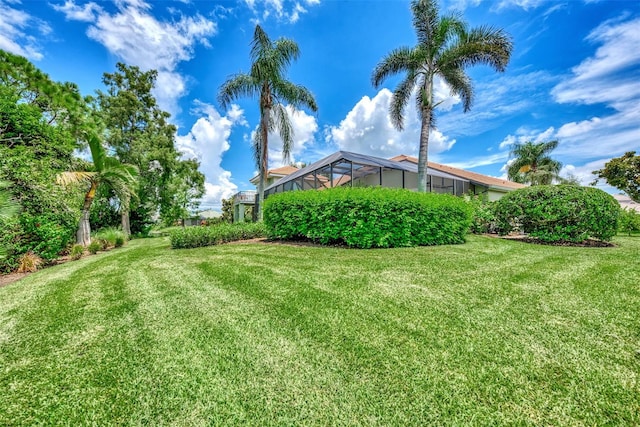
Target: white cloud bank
{"x": 138, "y": 38}
{"x": 281, "y": 10}
{"x": 367, "y": 128}
{"x": 207, "y": 141}
{"x": 13, "y": 24}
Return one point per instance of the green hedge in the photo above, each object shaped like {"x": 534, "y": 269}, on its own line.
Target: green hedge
{"x": 368, "y": 217}
{"x": 195, "y": 237}
{"x": 557, "y": 213}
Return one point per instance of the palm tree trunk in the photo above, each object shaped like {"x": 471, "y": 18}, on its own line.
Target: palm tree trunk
{"x": 126, "y": 224}
{"x": 423, "y": 153}
{"x": 83, "y": 236}
{"x": 263, "y": 161}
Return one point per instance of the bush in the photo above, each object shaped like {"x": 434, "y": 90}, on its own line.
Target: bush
{"x": 559, "y": 213}
{"x": 195, "y": 237}
{"x": 484, "y": 217}
{"x": 29, "y": 262}
{"x": 368, "y": 217}
{"x": 94, "y": 247}
{"x": 120, "y": 241}
{"x": 629, "y": 221}
{"x": 76, "y": 252}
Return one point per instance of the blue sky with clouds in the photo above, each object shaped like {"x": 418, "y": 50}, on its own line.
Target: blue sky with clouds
{"x": 574, "y": 75}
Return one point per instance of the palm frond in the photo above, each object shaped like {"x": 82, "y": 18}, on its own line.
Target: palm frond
{"x": 256, "y": 147}
{"x": 460, "y": 85}
{"x": 400, "y": 99}
{"x": 75, "y": 177}
{"x": 296, "y": 95}
{"x": 481, "y": 45}
{"x": 397, "y": 61}
{"x": 425, "y": 20}
{"x": 285, "y": 129}
{"x": 237, "y": 86}
{"x": 260, "y": 43}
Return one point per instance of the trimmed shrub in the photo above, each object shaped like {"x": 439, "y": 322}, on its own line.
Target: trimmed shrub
{"x": 94, "y": 247}
{"x": 76, "y": 252}
{"x": 629, "y": 221}
{"x": 195, "y": 237}
{"x": 559, "y": 213}
{"x": 369, "y": 217}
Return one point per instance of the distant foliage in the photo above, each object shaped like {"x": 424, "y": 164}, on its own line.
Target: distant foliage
{"x": 195, "y": 237}
{"x": 559, "y": 213}
{"x": 110, "y": 237}
{"x": 623, "y": 173}
{"x": 368, "y": 217}
{"x": 629, "y": 221}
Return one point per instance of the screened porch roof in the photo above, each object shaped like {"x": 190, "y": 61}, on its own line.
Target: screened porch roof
{"x": 375, "y": 163}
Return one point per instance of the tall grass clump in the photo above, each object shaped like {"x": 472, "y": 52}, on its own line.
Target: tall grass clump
{"x": 110, "y": 237}
{"x": 370, "y": 217}
{"x": 559, "y": 213}
{"x": 195, "y": 237}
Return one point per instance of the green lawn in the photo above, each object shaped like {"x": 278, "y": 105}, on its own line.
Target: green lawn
{"x": 490, "y": 332}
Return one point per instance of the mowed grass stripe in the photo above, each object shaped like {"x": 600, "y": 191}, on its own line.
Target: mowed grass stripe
{"x": 487, "y": 332}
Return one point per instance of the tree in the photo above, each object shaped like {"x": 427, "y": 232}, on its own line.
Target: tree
{"x": 532, "y": 164}
{"x": 186, "y": 187}
{"x": 227, "y": 210}
{"x": 266, "y": 81}
{"x": 445, "y": 48}
{"x": 106, "y": 170}
{"x": 8, "y": 208}
{"x": 140, "y": 134}
{"x": 623, "y": 173}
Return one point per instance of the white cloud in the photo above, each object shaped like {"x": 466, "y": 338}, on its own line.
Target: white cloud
{"x": 281, "y": 10}
{"x": 207, "y": 141}
{"x": 13, "y": 24}
{"x": 524, "y": 4}
{"x": 367, "y": 129}
{"x": 138, "y": 38}
{"x": 304, "y": 127}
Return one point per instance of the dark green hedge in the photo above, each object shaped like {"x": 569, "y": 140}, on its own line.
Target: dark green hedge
{"x": 195, "y": 237}
{"x": 368, "y": 217}
{"x": 557, "y": 213}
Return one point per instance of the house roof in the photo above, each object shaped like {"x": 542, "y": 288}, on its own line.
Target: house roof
{"x": 474, "y": 177}
{"x": 277, "y": 172}
{"x": 626, "y": 202}
{"x": 365, "y": 160}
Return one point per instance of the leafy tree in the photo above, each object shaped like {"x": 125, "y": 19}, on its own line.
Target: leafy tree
{"x": 445, "y": 48}
{"x": 186, "y": 187}
{"x": 267, "y": 82}
{"x": 140, "y": 134}
{"x": 623, "y": 173}
{"x": 532, "y": 164}
{"x": 106, "y": 170}
{"x": 227, "y": 210}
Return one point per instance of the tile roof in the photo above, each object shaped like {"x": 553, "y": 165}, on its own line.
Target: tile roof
{"x": 280, "y": 172}
{"x": 471, "y": 176}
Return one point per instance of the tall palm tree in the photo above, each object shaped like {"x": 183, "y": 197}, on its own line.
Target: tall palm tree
{"x": 445, "y": 48}
{"x": 267, "y": 82}
{"x": 532, "y": 164}
{"x": 106, "y": 170}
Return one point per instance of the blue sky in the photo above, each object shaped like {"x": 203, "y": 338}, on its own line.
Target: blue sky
{"x": 574, "y": 75}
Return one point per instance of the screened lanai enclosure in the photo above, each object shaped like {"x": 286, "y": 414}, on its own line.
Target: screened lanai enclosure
{"x": 358, "y": 170}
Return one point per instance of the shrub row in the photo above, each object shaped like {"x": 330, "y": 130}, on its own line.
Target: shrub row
{"x": 368, "y": 217}
{"x": 195, "y": 237}
{"x": 557, "y": 213}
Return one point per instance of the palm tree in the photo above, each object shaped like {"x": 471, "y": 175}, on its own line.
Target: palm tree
{"x": 106, "y": 170}
{"x": 445, "y": 48}
{"x": 532, "y": 164}
{"x": 266, "y": 81}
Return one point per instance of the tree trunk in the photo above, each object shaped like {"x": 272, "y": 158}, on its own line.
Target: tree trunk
{"x": 423, "y": 154}
{"x": 264, "y": 148}
{"x": 83, "y": 236}
{"x": 126, "y": 224}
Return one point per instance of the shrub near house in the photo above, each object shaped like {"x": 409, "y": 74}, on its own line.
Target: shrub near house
{"x": 559, "y": 213}
{"x": 368, "y": 217}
